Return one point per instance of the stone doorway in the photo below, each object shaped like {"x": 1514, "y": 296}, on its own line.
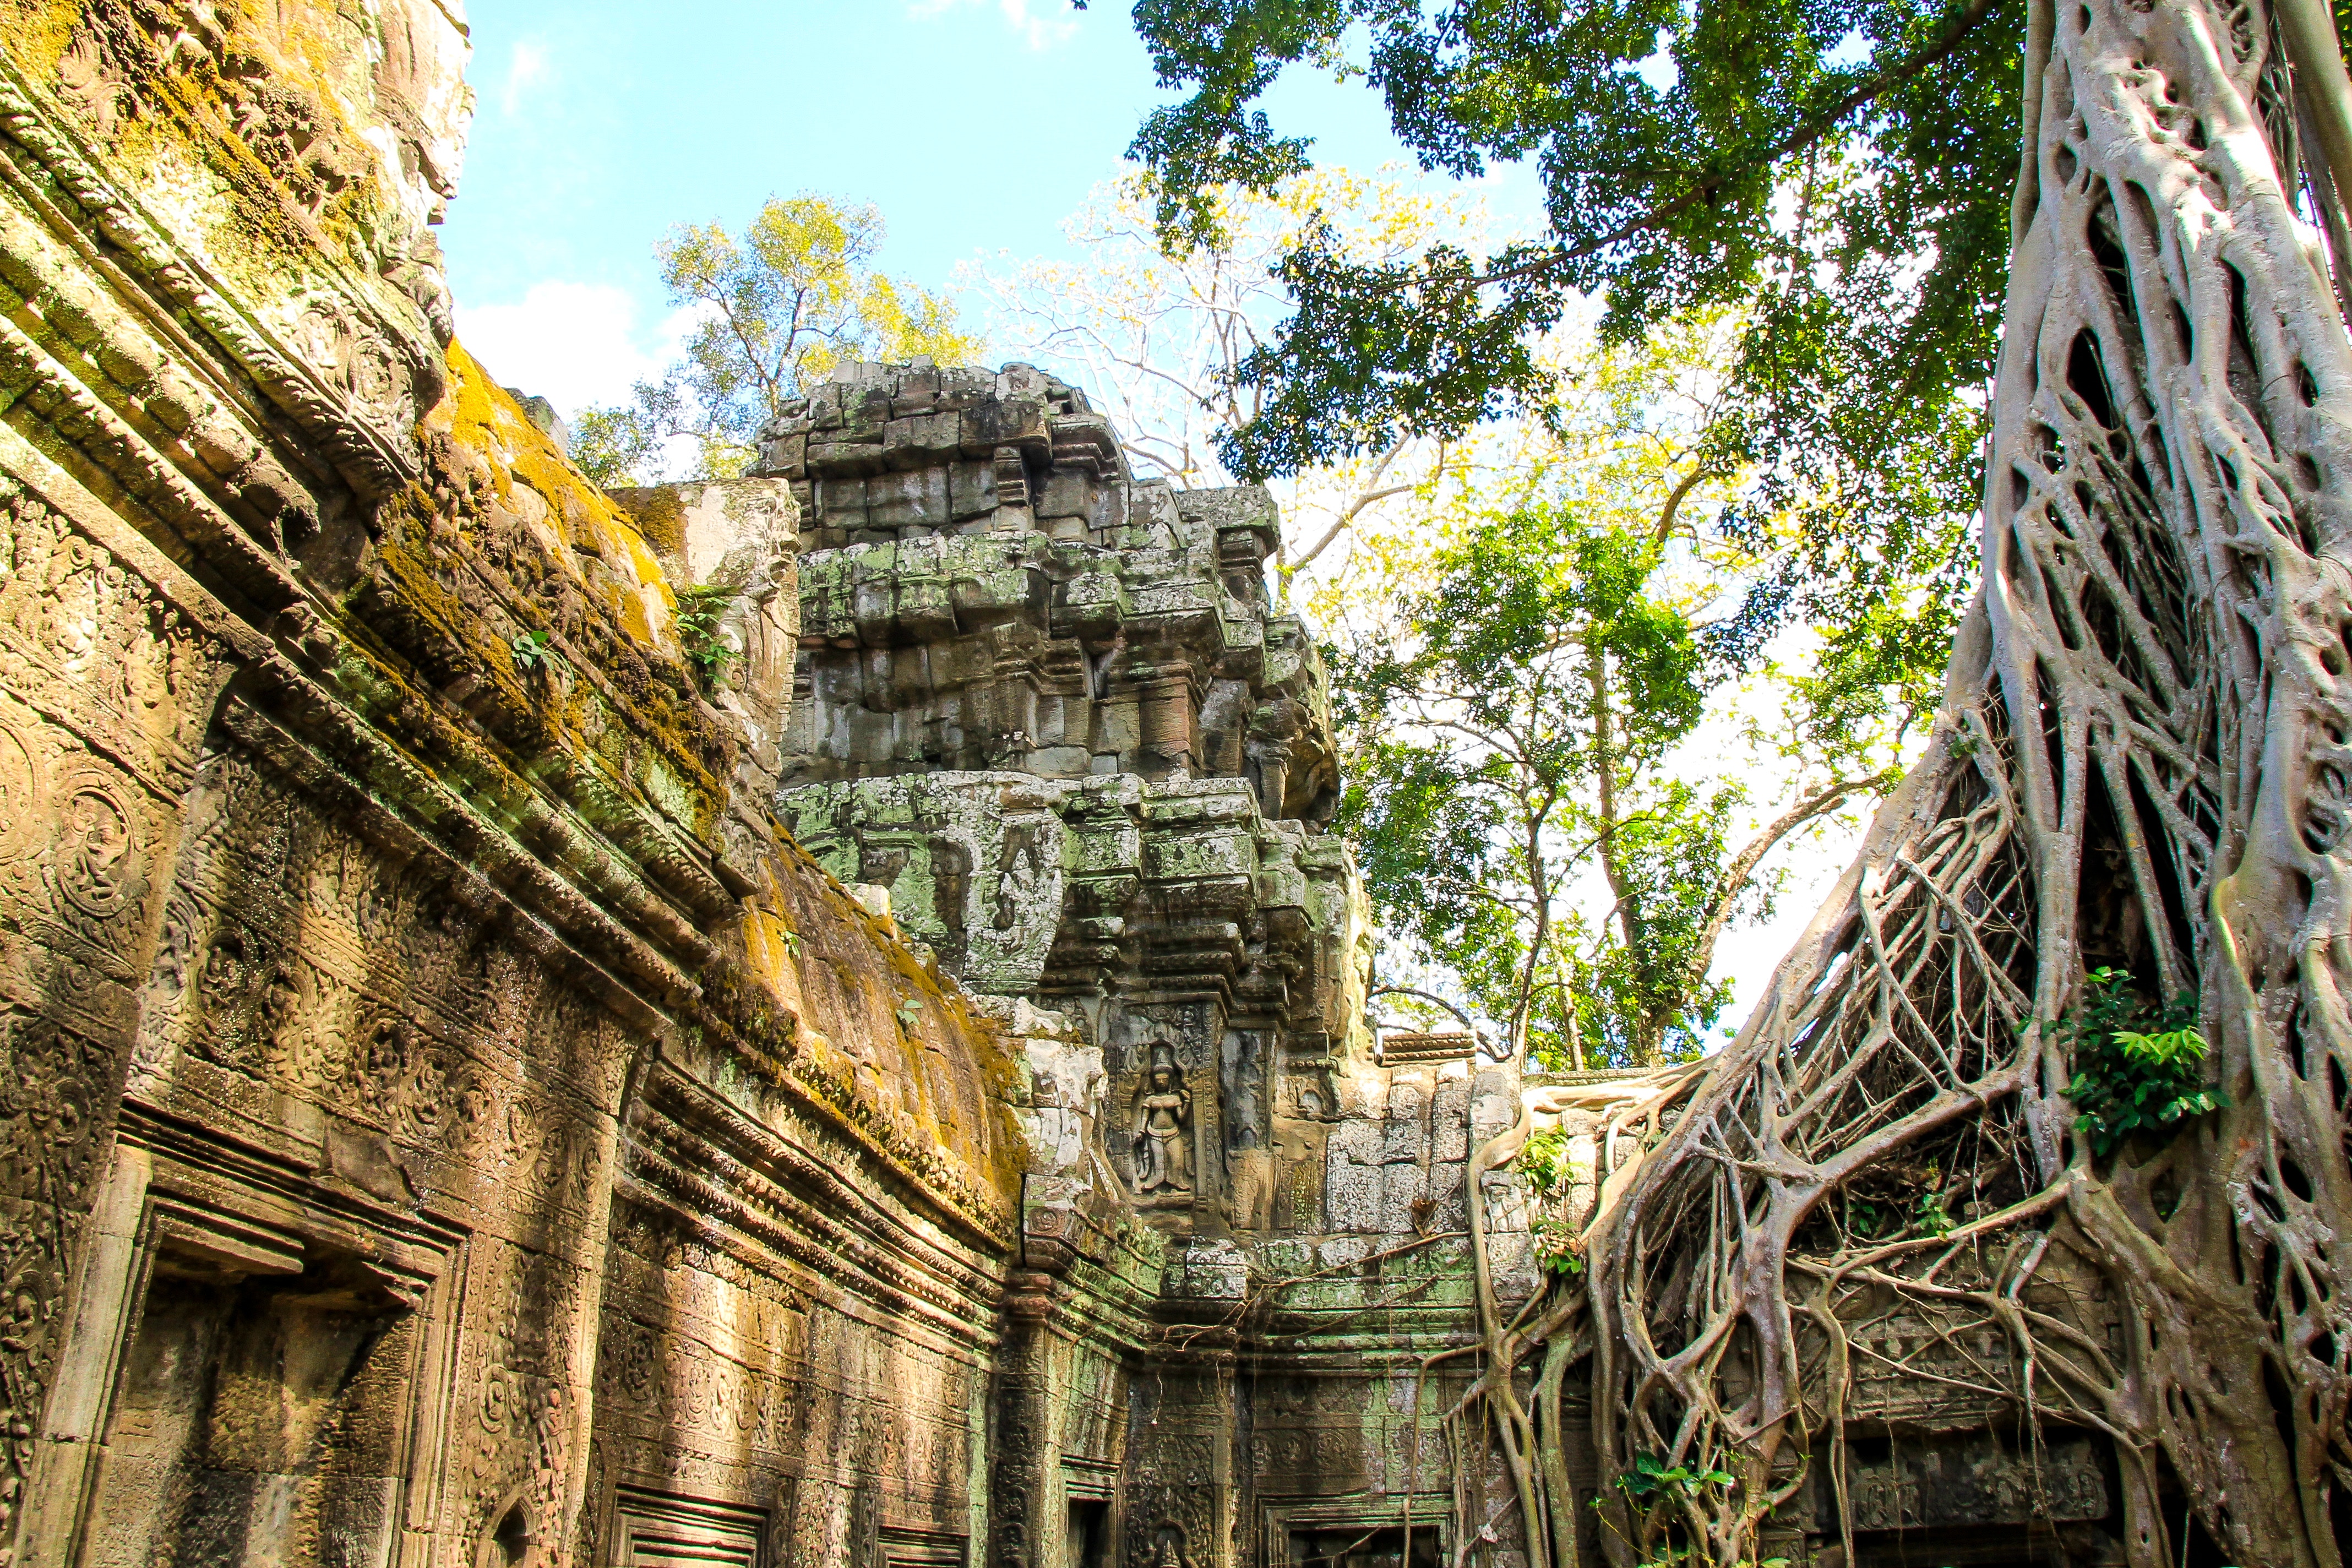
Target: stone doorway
{"x": 1373, "y": 1546}
{"x": 256, "y": 1418}
{"x": 1087, "y": 1539}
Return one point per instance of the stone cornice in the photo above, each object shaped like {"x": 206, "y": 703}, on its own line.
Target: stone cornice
{"x": 375, "y": 455}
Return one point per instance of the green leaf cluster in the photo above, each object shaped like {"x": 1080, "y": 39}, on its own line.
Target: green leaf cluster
{"x": 700, "y": 610}
{"x": 532, "y": 650}
{"x": 1651, "y": 1478}
{"x": 617, "y": 446}
{"x": 1543, "y": 1161}
{"x": 2138, "y": 1070}
{"x": 1933, "y": 1216}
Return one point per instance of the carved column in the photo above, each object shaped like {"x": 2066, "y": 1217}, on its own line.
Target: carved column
{"x": 1169, "y": 739}
{"x": 1273, "y": 760}
{"x": 1180, "y": 1496}
{"x": 1025, "y": 1509}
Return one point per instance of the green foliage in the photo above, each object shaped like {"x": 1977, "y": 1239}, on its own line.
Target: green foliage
{"x": 533, "y": 650}
{"x": 1836, "y": 173}
{"x": 1517, "y": 727}
{"x": 617, "y": 446}
{"x": 910, "y": 1012}
{"x": 777, "y": 309}
{"x": 1932, "y": 1217}
{"x": 1650, "y": 1478}
{"x": 1556, "y": 1248}
{"x": 699, "y": 611}
{"x": 1898, "y": 1201}
{"x": 2138, "y": 1070}
{"x": 1543, "y": 1161}
{"x": 1651, "y": 1482}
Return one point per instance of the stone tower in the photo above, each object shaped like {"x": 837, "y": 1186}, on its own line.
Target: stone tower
{"x": 1048, "y": 705}
{"x": 1047, "y": 710}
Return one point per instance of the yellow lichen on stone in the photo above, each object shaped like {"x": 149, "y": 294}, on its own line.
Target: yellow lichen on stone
{"x": 573, "y": 515}
{"x": 874, "y": 1016}
{"x": 38, "y": 32}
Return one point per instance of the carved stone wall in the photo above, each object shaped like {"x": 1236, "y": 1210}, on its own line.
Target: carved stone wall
{"x": 450, "y": 1121}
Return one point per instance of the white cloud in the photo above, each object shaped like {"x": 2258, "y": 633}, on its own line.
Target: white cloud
{"x": 527, "y": 68}
{"x": 1034, "y": 20}
{"x": 576, "y": 345}
{"x": 571, "y": 343}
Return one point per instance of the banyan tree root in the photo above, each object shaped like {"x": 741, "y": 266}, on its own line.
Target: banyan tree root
{"x": 1877, "y": 1194}
{"x": 1534, "y": 1458}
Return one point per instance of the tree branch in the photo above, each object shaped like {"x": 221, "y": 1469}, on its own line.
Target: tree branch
{"x": 1821, "y": 802}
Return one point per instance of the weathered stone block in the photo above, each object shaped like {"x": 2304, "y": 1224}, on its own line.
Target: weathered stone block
{"x": 1403, "y": 1188}
{"x": 971, "y": 489}
{"x": 1358, "y": 1140}
{"x": 896, "y": 499}
{"x": 1065, "y": 495}
{"x": 921, "y": 434}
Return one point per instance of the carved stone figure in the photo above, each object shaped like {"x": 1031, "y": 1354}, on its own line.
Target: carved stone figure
{"x": 1163, "y": 1128}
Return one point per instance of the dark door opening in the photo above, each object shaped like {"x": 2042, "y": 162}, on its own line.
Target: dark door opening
{"x": 1089, "y": 1525}
{"x": 1360, "y": 1546}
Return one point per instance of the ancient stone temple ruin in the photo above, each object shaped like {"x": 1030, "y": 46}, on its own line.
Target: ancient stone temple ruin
{"x": 492, "y": 1085}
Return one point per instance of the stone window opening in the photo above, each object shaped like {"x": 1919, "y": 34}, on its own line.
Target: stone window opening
{"x": 258, "y": 1416}
{"x": 1364, "y": 1546}
{"x": 665, "y": 1530}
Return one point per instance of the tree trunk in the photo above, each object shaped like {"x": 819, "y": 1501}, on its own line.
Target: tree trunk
{"x": 2141, "y": 763}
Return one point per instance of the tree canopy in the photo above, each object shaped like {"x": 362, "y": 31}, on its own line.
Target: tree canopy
{"x": 1522, "y": 783}
{"x": 774, "y": 310}
{"x": 1157, "y": 335}
{"x": 1836, "y": 172}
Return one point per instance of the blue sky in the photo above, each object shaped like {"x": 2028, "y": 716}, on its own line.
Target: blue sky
{"x": 977, "y": 126}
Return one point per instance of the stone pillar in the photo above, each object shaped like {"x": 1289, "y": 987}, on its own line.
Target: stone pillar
{"x": 1273, "y": 777}
{"x": 1169, "y": 739}
{"x": 1023, "y": 1530}
{"x": 1181, "y": 1497}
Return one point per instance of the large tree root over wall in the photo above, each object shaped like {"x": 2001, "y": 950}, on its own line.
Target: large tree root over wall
{"x": 2145, "y": 761}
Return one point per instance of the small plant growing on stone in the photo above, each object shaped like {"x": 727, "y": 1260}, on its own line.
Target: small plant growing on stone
{"x": 699, "y": 611}
{"x": 1543, "y": 1161}
{"x": 1556, "y": 1244}
{"x": 2137, "y": 1069}
{"x": 908, "y": 1011}
{"x": 533, "y": 650}
{"x": 1933, "y": 1216}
